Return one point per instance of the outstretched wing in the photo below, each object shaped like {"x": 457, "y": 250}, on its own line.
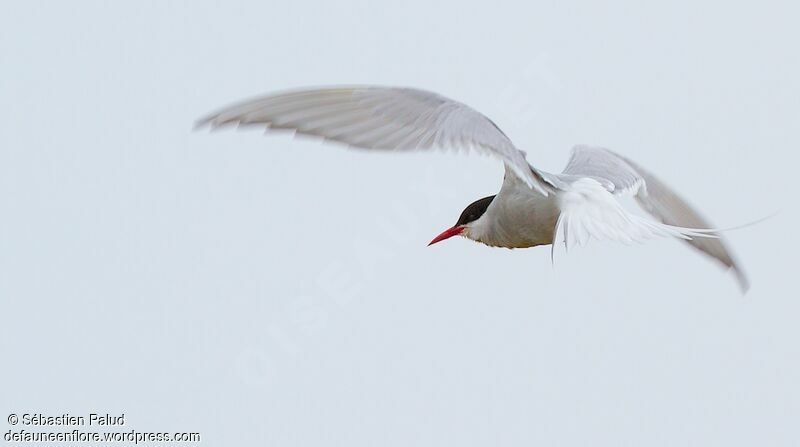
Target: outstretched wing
{"x": 381, "y": 118}
{"x": 588, "y": 211}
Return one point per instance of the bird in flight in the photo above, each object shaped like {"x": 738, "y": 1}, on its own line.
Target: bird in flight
{"x": 533, "y": 207}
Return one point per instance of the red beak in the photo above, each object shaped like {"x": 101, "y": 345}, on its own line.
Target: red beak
{"x": 446, "y": 234}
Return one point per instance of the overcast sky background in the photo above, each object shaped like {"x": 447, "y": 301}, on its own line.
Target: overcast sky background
{"x": 269, "y": 291}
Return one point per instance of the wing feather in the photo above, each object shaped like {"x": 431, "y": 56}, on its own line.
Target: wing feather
{"x": 384, "y": 118}
{"x": 618, "y": 175}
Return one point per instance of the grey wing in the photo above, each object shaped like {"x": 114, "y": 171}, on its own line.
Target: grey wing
{"x": 386, "y": 118}
{"x": 620, "y": 175}
{"x": 608, "y": 168}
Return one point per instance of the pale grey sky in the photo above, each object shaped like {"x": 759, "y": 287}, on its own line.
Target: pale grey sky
{"x": 266, "y": 291}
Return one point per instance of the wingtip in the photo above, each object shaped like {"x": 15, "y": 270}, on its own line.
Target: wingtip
{"x": 205, "y": 122}
{"x": 741, "y": 278}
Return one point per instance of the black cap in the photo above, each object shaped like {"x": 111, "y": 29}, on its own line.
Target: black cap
{"x": 474, "y": 211}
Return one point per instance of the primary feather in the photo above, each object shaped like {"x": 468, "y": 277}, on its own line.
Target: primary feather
{"x": 384, "y": 118}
